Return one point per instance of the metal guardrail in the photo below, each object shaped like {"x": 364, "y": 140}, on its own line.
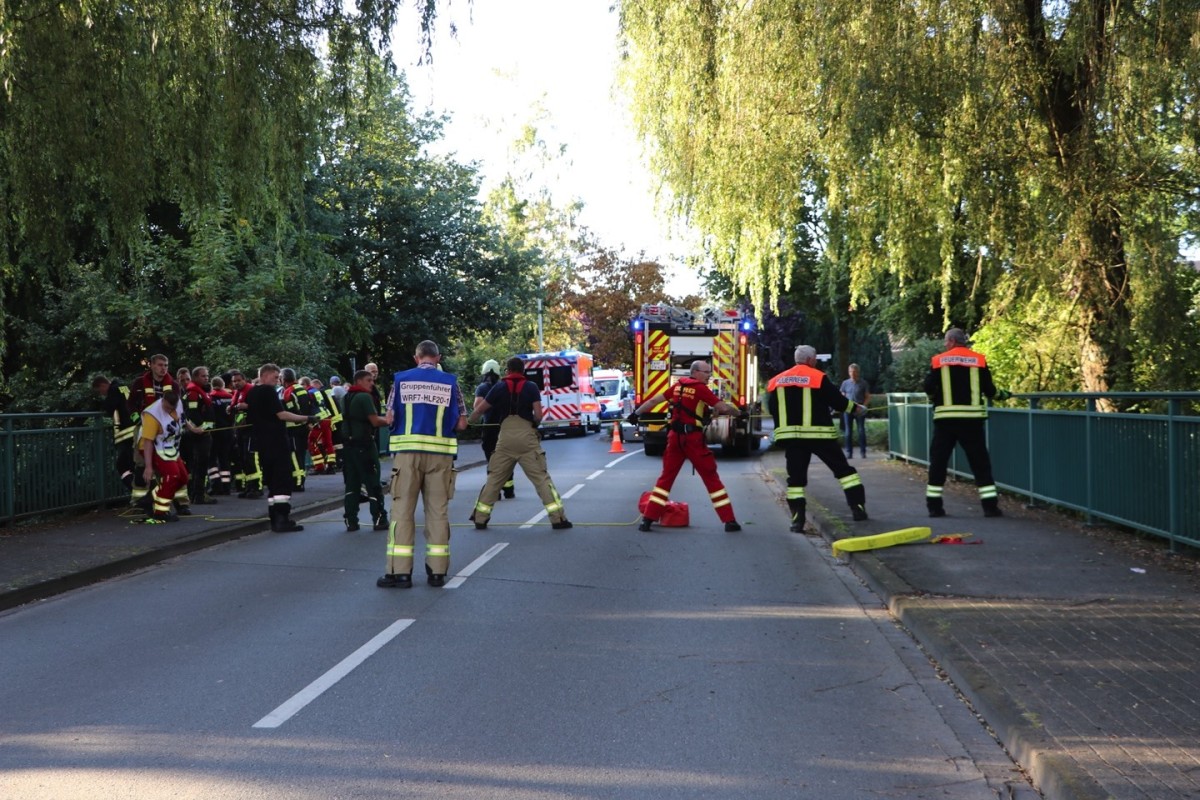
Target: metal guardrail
{"x": 1141, "y": 470}
{"x": 56, "y": 462}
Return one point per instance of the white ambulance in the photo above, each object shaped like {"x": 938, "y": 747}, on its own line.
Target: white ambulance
{"x": 568, "y": 396}
{"x": 613, "y": 393}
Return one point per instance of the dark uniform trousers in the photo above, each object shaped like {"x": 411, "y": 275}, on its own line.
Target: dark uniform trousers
{"x": 972, "y": 435}
{"x": 361, "y": 469}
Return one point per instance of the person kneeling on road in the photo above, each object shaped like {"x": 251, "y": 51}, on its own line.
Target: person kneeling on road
{"x": 517, "y": 405}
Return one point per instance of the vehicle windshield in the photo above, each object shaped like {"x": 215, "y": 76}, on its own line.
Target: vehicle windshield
{"x": 606, "y": 388}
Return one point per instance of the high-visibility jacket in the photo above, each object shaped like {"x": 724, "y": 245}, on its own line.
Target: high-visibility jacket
{"x": 163, "y": 428}
{"x": 957, "y": 383}
{"x": 198, "y": 407}
{"x": 144, "y": 391}
{"x": 116, "y": 402}
{"x": 425, "y": 411}
{"x": 800, "y": 401}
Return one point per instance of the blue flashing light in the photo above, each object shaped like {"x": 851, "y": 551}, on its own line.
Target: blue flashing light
{"x": 636, "y": 324}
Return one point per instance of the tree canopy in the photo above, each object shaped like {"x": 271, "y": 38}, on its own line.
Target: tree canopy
{"x": 972, "y": 160}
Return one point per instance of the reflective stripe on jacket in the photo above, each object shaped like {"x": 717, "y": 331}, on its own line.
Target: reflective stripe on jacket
{"x": 425, "y": 412}
{"x": 800, "y": 400}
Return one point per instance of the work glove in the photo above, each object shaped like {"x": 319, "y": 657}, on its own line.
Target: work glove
{"x": 1002, "y": 395}
{"x": 632, "y": 419}
{"x": 313, "y": 419}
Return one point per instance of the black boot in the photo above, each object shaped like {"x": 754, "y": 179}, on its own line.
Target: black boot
{"x": 798, "y": 509}
{"x": 281, "y": 521}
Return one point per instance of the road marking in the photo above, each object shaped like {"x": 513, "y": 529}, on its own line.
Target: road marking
{"x": 612, "y": 464}
{"x": 470, "y": 569}
{"x": 541, "y": 515}
{"x": 315, "y": 689}
{"x": 595, "y": 474}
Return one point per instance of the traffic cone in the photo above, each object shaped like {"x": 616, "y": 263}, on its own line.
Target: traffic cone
{"x": 617, "y": 447}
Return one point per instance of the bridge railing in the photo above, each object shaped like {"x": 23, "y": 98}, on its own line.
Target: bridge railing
{"x": 56, "y": 462}
{"x": 1141, "y": 470}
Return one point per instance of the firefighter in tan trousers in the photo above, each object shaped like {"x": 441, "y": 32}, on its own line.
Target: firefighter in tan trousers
{"x": 428, "y": 411}
{"x": 517, "y": 406}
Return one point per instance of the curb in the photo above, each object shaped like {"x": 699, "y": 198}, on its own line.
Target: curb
{"x": 46, "y": 589}
{"x": 1056, "y": 775}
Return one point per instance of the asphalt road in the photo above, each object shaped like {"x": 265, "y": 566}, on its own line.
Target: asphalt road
{"x": 588, "y": 663}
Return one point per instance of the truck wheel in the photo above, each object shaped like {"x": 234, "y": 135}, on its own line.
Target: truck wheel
{"x": 654, "y": 447}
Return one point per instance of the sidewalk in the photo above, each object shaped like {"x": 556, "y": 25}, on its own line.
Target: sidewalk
{"x": 1078, "y": 646}
{"x": 42, "y": 560}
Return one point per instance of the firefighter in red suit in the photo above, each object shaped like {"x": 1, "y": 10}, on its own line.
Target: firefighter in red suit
{"x": 689, "y": 401}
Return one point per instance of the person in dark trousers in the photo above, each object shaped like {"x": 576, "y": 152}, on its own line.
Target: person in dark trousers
{"x": 689, "y": 402}
{"x": 269, "y": 440}
{"x": 221, "y": 472}
{"x": 116, "y": 404}
{"x": 957, "y": 384}
{"x": 298, "y": 401}
{"x": 491, "y": 425}
{"x": 858, "y": 390}
{"x": 361, "y": 451}
{"x": 800, "y": 400}
{"x": 517, "y": 407}
{"x": 198, "y": 438}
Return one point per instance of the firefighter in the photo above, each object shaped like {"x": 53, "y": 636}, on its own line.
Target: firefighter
{"x": 800, "y": 400}
{"x": 428, "y": 410}
{"x": 360, "y": 466}
{"x": 150, "y": 386}
{"x": 220, "y": 475}
{"x": 517, "y": 405}
{"x": 298, "y": 401}
{"x": 957, "y": 383}
{"x": 320, "y": 438}
{"x": 491, "y": 425}
{"x": 249, "y": 470}
{"x": 162, "y": 426}
{"x": 199, "y": 411}
{"x": 116, "y": 404}
{"x": 268, "y": 427}
{"x": 689, "y": 401}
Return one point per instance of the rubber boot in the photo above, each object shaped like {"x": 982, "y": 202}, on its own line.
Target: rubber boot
{"x": 281, "y": 521}
{"x": 798, "y": 509}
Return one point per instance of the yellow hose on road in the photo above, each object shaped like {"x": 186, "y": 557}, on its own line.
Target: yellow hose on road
{"x": 902, "y": 536}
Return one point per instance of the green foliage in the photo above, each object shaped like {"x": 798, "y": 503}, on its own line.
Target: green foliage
{"x": 911, "y": 365}
{"x": 946, "y": 151}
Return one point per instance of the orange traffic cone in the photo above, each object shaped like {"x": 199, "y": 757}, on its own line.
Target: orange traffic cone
{"x": 617, "y": 447}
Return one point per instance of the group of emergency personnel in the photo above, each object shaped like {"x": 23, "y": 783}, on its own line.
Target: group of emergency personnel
{"x": 184, "y": 444}
{"x": 258, "y": 433}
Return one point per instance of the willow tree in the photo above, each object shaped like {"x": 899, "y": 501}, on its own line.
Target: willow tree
{"x": 1042, "y": 152}
{"x": 116, "y": 115}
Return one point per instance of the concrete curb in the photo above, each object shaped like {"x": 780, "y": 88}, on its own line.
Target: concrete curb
{"x": 1056, "y": 774}
{"x": 156, "y": 555}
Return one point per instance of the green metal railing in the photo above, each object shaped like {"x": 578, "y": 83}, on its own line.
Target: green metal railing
{"x": 1141, "y": 470}
{"x": 56, "y": 462}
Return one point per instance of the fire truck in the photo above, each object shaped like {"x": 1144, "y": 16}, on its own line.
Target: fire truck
{"x": 564, "y": 378}
{"x": 666, "y": 340}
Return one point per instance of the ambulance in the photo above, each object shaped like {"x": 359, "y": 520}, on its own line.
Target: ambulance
{"x": 666, "y": 340}
{"x": 569, "y": 403}
{"x": 613, "y": 393}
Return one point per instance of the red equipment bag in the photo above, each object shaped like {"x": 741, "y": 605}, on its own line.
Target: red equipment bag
{"x": 675, "y": 515}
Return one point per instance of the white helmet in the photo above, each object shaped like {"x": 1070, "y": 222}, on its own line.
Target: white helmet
{"x": 491, "y": 366}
